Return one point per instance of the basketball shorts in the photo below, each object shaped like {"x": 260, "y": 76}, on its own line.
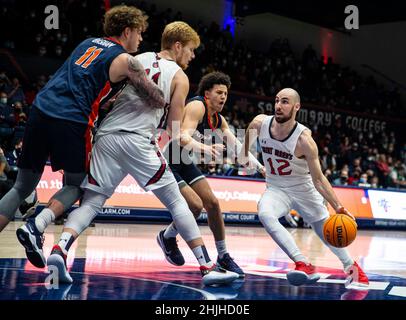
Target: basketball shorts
{"x": 116, "y": 155}
{"x": 67, "y": 144}
{"x": 186, "y": 174}
{"x": 306, "y": 200}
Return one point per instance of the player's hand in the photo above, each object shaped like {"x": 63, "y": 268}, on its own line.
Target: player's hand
{"x": 243, "y": 159}
{"x": 217, "y": 150}
{"x": 342, "y": 210}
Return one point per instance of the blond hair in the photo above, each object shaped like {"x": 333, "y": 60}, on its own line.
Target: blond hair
{"x": 178, "y": 31}
{"x": 120, "y": 17}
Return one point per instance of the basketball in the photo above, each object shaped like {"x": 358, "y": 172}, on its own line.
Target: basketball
{"x": 340, "y": 230}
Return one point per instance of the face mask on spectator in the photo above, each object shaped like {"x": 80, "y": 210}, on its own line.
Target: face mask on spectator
{"x": 363, "y": 180}
{"x": 3, "y": 100}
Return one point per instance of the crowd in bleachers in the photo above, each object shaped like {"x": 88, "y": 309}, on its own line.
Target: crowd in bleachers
{"x": 347, "y": 157}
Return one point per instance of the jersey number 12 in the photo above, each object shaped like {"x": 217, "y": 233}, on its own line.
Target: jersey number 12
{"x": 283, "y": 165}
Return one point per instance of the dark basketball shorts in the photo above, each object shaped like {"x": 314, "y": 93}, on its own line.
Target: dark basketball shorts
{"x": 66, "y": 144}
{"x": 186, "y": 174}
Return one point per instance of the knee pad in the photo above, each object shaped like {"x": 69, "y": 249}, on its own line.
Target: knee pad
{"x": 68, "y": 195}
{"x": 80, "y": 219}
{"x": 71, "y": 191}
{"x": 183, "y": 218}
{"x": 25, "y": 184}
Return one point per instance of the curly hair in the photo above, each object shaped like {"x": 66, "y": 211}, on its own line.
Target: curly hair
{"x": 211, "y": 79}
{"x": 120, "y": 17}
{"x": 178, "y": 31}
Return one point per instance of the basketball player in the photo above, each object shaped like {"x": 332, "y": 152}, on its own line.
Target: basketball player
{"x": 294, "y": 180}
{"x": 63, "y": 113}
{"x": 201, "y": 122}
{"x": 125, "y": 144}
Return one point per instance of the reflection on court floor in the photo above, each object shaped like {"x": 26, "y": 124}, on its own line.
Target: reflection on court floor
{"x": 123, "y": 262}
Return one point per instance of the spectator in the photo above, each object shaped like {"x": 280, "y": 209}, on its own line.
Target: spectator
{"x": 342, "y": 180}
{"x": 16, "y": 93}
{"x": 363, "y": 181}
{"x": 5, "y": 183}
{"x": 328, "y": 160}
{"x": 7, "y": 119}
{"x": 375, "y": 182}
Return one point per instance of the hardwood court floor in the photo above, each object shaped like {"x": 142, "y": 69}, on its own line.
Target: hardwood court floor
{"x": 124, "y": 262}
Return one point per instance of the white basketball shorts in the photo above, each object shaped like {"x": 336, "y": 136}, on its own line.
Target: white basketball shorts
{"x": 117, "y": 154}
{"x": 305, "y": 199}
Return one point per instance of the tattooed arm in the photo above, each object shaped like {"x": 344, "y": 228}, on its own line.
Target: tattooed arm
{"x": 126, "y": 66}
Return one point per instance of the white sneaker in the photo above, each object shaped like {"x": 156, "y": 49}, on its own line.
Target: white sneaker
{"x": 217, "y": 275}
{"x": 57, "y": 260}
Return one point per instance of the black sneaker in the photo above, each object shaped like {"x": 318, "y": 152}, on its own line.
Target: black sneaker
{"x": 228, "y": 263}
{"x": 32, "y": 240}
{"x": 170, "y": 249}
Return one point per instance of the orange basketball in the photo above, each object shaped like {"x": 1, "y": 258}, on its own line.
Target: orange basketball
{"x": 340, "y": 230}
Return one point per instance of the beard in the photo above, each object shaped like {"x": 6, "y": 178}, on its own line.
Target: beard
{"x": 283, "y": 119}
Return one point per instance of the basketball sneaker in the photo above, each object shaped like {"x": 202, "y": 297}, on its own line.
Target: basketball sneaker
{"x": 228, "y": 263}
{"x": 170, "y": 249}
{"x": 57, "y": 260}
{"x": 356, "y": 278}
{"x": 303, "y": 274}
{"x": 216, "y": 275}
{"x": 32, "y": 240}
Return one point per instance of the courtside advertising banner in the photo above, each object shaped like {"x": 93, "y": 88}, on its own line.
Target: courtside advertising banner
{"x": 238, "y": 197}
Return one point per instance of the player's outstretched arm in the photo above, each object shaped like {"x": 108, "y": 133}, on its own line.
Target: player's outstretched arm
{"x": 194, "y": 113}
{"x": 250, "y": 137}
{"x": 234, "y": 144}
{"x": 308, "y": 147}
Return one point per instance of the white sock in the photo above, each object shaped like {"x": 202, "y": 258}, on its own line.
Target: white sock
{"x": 66, "y": 241}
{"x": 202, "y": 256}
{"x": 221, "y": 248}
{"x": 44, "y": 219}
{"x": 300, "y": 257}
{"x": 170, "y": 231}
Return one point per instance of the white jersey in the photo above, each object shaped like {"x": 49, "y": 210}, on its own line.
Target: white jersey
{"x": 132, "y": 114}
{"x": 283, "y": 168}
